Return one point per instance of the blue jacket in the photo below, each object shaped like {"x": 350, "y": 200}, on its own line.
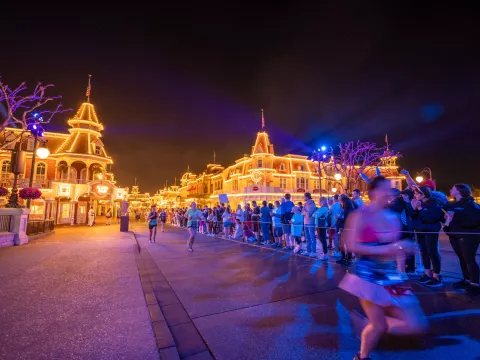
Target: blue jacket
{"x": 297, "y": 224}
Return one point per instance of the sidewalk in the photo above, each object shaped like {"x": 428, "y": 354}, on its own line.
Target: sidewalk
{"x": 74, "y": 295}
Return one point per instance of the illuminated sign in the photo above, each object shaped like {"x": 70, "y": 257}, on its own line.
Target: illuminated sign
{"x": 256, "y": 176}
{"x": 102, "y": 189}
{"x": 64, "y": 190}
{"x": 120, "y": 194}
{"x": 300, "y": 190}
{"x": 255, "y": 188}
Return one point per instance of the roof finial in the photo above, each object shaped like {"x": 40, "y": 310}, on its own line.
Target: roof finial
{"x": 89, "y": 87}
{"x": 263, "y": 122}
{"x": 386, "y": 140}
{"x": 188, "y": 168}
{"x": 214, "y": 157}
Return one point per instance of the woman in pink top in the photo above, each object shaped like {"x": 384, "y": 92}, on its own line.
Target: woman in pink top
{"x": 373, "y": 234}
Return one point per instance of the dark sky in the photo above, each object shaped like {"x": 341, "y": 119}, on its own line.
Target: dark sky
{"x": 173, "y": 83}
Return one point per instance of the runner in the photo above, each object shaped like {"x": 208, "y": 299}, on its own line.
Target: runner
{"x": 163, "y": 219}
{"x": 372, "y": 235}
{"x": 152, "y": 219}
{"x": 193, "y": 216}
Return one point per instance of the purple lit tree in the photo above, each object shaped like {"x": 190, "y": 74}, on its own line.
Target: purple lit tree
{"x": 20, "y": 108}
{"x": 354, "y": 158}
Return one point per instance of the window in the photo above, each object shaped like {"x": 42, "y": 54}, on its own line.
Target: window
{"x": 259, "y": 163}
{"x": 235, "y": 184}
{"x": 283, "y": 183}
{"x": 63, "y": 172}
{"x": 282, "y": 167}
{"x": 73, "y": 173}
{"x": 301, "y": 183}
{"x": 301, "y": 168}
{"x": 41, "y": 173}
{"x": 6, "y": 169}
{"x": 97, "y": 150}
{"x": 316, "y": 184}
{"x": 83, "y": 176}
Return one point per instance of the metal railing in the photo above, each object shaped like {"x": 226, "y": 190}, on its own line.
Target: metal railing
{"x": 35, "y": 227}
{"x": 5, "y": 223}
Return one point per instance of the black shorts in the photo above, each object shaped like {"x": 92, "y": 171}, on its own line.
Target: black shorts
{"x": 256, "y": 225}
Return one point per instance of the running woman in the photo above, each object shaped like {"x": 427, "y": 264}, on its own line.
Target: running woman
{"x": 152, "y": 219}
{"x": 373, "y": 236}
{"x": 193, "y": 216}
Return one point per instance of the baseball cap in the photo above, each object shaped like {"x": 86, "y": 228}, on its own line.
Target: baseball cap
{"x": 429, "y": 184}
{"x": 408, "y": 192}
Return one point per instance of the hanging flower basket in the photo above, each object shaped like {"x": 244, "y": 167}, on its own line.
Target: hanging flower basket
{"x": 30, "y": 193}
{"x": 3, "y": 191}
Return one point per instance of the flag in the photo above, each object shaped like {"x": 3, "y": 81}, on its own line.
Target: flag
{"x": 89, "y": 87}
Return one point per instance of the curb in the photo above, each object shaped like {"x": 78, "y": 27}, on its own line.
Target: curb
{"x": 175, "y": 333}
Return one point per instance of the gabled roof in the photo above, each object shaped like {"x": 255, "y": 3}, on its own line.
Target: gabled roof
{"x": 86, "y": 112}
{"x": 262, "y": 144}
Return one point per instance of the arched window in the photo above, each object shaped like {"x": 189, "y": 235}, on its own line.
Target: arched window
{"x": 282, "y": 167}
{"x": 5, "y": 170}
{"x": 83, "y": 176}
{"x": 73, "y": 173}
{"x": 62, "y": 172}
{"x": 41, "y": 172}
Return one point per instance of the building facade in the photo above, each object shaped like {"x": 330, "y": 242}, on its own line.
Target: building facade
{"x": 74, "y": 177}
{"x": 263, "y": 175}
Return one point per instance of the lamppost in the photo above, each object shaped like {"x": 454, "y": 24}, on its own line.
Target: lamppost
{"x": 321, "y": 156}
{"x": 18, "y": 162}
{"x": 36, "y": 131}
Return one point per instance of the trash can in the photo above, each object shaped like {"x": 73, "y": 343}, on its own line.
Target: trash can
{"x": 124, "y": 220}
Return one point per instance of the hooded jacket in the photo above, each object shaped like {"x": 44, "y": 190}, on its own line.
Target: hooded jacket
{"x": 307, "y": 211}
{"x": 466, "y": 218}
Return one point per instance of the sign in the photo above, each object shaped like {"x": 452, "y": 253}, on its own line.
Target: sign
{"x": 102, "y": 189}
{"x": 223, "y": 198}
{"x": 120, "y": 194}
{"x": 255, "y": 188}
{"x": 316, "y": 191}
{"x": 300, "y": 190}
{"x": 256, "y": 176}
{"x": 64, "y": 190}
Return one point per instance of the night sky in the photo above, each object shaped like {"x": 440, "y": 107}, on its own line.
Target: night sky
{"x": 173, "y": 83}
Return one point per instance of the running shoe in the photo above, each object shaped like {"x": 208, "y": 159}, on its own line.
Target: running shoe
{"x": 424, "y": 279}
{"x": 462, "y": 284}
{"x": 190, "y": 249}
{"x": 434, "y": 282}
{"x": 472, "y": 290}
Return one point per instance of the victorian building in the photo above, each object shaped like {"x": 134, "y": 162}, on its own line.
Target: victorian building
{"x": 264, "y": 175}
{"x": 74, "y": 177}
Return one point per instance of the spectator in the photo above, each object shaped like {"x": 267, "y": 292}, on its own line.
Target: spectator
{"x": 309, "y": 225}
{"x": 265, "y": 222}
{"x": 297, "y": 227}
{"x": 357, "y": 199}
{"x": 277, "y": 225}
{"x": 321, "y": 215}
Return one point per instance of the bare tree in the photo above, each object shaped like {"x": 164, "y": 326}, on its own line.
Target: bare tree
{"x": 355, "y": 158}
{"x": 20, "y": 108}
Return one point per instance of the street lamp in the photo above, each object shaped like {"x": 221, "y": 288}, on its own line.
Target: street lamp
{"x": 337, "y": 176}
{"x": 334, "y": 190}
{"x": 36, "y": 131}
{"x": 43, "y": 152}
{"x": 321, "y": 156}
{"x": 419, "y": 179}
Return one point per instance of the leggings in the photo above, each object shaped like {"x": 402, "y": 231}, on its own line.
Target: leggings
{"x": 469, "y": 247}
{"x": 429, "y": 250}
{"x": 322, "y": 235}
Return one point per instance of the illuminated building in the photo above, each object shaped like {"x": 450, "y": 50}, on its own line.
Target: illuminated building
{"x": 74, "y": 177}
{"x": 263, "y": 175}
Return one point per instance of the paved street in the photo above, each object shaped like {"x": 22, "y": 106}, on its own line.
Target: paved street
{"x": 79, "y": 294}
{"x": 253, "y": 303}
{"x": 74, "y": 295}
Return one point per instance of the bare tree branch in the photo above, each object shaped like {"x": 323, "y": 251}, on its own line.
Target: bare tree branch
{"x": 19, "y": 109}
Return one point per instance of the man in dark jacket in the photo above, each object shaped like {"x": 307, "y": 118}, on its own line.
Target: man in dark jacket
{"x": 463, "y": 226}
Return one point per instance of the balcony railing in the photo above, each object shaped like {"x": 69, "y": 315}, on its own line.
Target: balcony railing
{"x": 35, "y": 227}
{"x": 5, "y": 223}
